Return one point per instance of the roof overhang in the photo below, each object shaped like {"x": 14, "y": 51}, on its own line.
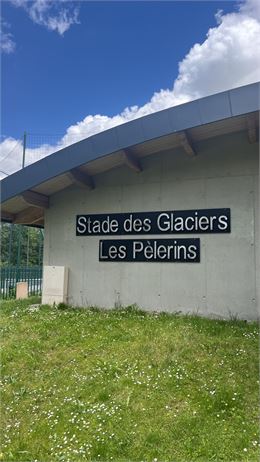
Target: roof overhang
{"x": 25, "y": 194}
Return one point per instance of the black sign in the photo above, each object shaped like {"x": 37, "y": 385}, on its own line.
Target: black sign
{"x": 152, "y": 250}
{"x": 171, "y": 222}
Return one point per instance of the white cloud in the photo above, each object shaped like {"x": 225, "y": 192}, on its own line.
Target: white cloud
{"x": 10, "y": 156}
{"x": 251, "y": 8}
{"x": 228, "y": 58}
{"x": 7, "y": 44}
{"x": 56, "y": 16}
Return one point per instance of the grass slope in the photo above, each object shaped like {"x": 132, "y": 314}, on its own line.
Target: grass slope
{"x": 127, "y": 386}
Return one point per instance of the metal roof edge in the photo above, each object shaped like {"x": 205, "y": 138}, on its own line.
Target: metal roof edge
{"x": 209, "y": 109}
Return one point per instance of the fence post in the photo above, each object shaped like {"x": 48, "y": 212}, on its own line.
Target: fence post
{"x": 28, "y": 242}
{"x": 10, "y": 244}
{"x": 18, "y": 261}
{"x": 40, "y": 256}
{"x": 24, "y": 148}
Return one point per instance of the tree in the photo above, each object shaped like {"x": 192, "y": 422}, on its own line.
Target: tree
{"x": 21, "y": 245}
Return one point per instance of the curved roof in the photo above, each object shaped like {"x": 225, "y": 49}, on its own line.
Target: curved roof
{"x": 229, "y": 111}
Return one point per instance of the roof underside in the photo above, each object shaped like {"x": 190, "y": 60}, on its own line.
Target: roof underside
{"x": 25, "y": 194}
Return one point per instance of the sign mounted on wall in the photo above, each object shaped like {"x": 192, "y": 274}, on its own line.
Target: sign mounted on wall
{"x": 153, "y": 250}
{"x": 169, "y": 222}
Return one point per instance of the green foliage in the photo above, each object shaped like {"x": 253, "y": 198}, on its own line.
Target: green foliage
{"x": 122, "y": 385}
{"x": 31, "y": 245}
{"x": 12, "y": 292}
{"x": 62, "y": 306}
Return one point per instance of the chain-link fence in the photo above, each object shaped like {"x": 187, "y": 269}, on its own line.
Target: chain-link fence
{"x": 31, "y": 147}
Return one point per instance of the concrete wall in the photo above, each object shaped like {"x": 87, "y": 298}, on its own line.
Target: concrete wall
{"x": 224, "y": 174}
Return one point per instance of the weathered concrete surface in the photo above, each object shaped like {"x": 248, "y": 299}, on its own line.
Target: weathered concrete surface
{"x": 224, "y": 174}
{"x": 55, "y": 285}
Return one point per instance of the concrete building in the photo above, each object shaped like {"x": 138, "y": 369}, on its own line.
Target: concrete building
{"x": 162, "y": 211}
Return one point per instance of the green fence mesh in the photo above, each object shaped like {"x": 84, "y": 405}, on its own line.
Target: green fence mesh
{"x": 9, "y": 276}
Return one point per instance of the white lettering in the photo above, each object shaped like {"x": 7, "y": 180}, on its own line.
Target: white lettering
{"x": 178, "y": 225}
{"x": 128, "y": 224}
{"x": 192, "y": 252}
{"x": 222, "y": 222}
{"x": 101, "y": 255}
{"x": 182, "y": 248}
{"x": 212, "y": 219}
{"x": 114, "y": 226}
{"x": 147, "y": 225}
{"x": 112, "y": 252}
{"x": 162, "y": 251}
{"x": 81, "y": 226}
{"x": 137, "y": 225}
{"x": 148, "y": 251}
{"x": 96, "y": 227}
{"x": 203, "y": 223}
{"x": 186, "y": 223}
{"x": 137, "y": 248}
{"x": 122, "y": 252}
{"x": 163, "y": 222}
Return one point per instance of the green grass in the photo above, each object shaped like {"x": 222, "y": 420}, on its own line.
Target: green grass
{"x": 125, "y": 385}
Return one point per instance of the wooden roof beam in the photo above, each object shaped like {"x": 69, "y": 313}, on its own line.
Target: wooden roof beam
{"x": 7, "y": 216}
{"x": 29, "y": 216}
{"x": 251, "y": 128}
{"x": 39, "y": 221}
{"x": 35, "y": 199}
{"x": 132, "y": 161}
{"x": 186, "y": 142}
{"x": 80, "y": 178}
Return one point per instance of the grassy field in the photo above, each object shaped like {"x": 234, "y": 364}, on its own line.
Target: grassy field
{"x": 124, "y": 385}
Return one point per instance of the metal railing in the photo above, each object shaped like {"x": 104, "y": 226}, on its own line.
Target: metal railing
{"x": 9, "y": 276}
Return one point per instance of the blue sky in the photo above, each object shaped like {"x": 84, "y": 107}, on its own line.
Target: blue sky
{"x": 73, "y": 69}
{"x": 118, "y": 56}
